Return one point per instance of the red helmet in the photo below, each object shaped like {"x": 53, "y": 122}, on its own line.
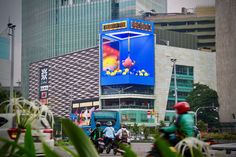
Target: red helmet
{"x": 182, "y": 107}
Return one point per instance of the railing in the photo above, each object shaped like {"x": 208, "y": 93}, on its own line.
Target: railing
{"x": 128, "y": 92}
{"x": 128, "y": 106}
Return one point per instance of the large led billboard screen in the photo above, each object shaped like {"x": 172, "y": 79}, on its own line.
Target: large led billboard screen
{"x": 127, "y": 57}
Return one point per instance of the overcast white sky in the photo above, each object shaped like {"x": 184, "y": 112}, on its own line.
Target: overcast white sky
{"x": 12, "y": 9}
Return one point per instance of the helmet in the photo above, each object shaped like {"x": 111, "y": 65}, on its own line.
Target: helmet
{"x": 124, "y": 126}
{"x": 182, "y": 107}
{"x": 98, "y": 124}
{"x": 109, "y": 123}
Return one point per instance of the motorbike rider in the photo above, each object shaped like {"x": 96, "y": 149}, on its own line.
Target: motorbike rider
{"x": 109, "y": 133}
{"x": 183, "y": 126}
{"x": 96, "y": 134}
{"x": 123, "y": 134}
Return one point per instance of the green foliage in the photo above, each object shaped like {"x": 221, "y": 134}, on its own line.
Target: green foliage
{"x": 48, "y": 152}
{"x": 80, "y": 141}
{"x": 128, "y": 151}
{"x": 28, "y": 141}
{"x": 136, "y": 129}
{"x": 203, "y": 96}
{"x": 13, "y": 149}
{"x": 193, "y": 146}
{"x": 146, "y": 132}
{"x": 164, "y": 148}
{"x": 153, "y": 130}
{"x": 84, "y": 147}
{"x": 4, "y": 96}
{"x": 202, "y": 126}
{"x": 219, "y": 136}
{"x": 162, "y": 124}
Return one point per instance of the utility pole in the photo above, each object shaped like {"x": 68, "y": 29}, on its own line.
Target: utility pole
{"x": 196, "y": 112}
{"x": 175, "y": 82}
{"x": 11, "y": 29}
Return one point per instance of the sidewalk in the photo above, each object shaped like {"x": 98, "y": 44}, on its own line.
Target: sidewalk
{"x": 224, "y": 150}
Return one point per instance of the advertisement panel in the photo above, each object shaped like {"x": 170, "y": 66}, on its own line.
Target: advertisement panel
{"x": 43, "y": 85}
{"x": 127, "y": 53}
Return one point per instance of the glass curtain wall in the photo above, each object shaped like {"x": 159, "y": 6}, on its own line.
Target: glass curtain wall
{"x": 52, "y": 28}
{"x": 184, "y": 79}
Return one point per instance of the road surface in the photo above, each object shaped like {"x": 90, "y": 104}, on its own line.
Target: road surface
{"x": 139, "y": 148}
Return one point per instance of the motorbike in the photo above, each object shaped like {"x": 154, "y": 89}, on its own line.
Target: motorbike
{"x": 155, "y": 152}
{"x": 99, "y": 145}
{"x": 117, "y": 143}
{"x": 109, "y": 145}
{"x": 182, "y": 146}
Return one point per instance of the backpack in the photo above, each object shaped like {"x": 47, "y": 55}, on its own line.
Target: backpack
{"x": 97, "y": 134}
{"x": 124, "y": 134}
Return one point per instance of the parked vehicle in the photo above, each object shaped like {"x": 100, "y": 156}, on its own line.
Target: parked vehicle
{"x": 41, "y": 131}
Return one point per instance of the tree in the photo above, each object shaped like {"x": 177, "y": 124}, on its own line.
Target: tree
{"x": 146, "y": 132}
{"x": 136, "y": 129}
{"x": 202, "y": 126}
{"x": 203, "y": 96}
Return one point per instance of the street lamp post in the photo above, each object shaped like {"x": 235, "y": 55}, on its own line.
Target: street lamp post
{"x": 175, "y": 82}
{"x": 202, "y": 108}
{"x": 11, "y": 30}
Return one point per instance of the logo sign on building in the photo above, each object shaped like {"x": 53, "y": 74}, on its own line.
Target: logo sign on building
{"x": 127, "y": 52}
{"x": 141, "y": 26}
{"x": 114, "y": 26}
{"x": 43, "y": 85}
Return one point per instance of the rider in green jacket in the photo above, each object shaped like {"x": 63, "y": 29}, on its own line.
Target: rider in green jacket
{"x": 184, "y": 125}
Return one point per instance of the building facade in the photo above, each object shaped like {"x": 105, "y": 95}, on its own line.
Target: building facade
{"x": 200, "y": 23}
{"x": 73, "y": 82}
{"x": 55, "y": 27}
{"x": 176, "y": 39}
{"x": 131, "y": 8}
{"x": 192, "y": 66}
{"x": 52, "y": 28}
{"x": 225, "y": 62}
{"x": 5, "y": 62}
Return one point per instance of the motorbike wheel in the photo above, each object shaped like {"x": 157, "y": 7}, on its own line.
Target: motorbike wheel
{"x": 108, "y": 149}
{"x": 114, "y": 151}
{"x": 100, "y": 150}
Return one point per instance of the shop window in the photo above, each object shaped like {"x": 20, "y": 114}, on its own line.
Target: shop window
{"x": 132, "y": 117}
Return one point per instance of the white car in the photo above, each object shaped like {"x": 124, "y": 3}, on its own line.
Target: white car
{"x": 41, "y": 130}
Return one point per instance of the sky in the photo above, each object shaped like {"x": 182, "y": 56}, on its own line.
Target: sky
{"x": 12, "y": 9}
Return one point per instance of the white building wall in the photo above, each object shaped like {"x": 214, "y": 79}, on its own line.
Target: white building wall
{"x": 204, "y": 71}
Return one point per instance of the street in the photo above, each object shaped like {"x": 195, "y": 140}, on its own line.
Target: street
{"x": 142, "y": 148}
{"x": 139, "y": 148}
